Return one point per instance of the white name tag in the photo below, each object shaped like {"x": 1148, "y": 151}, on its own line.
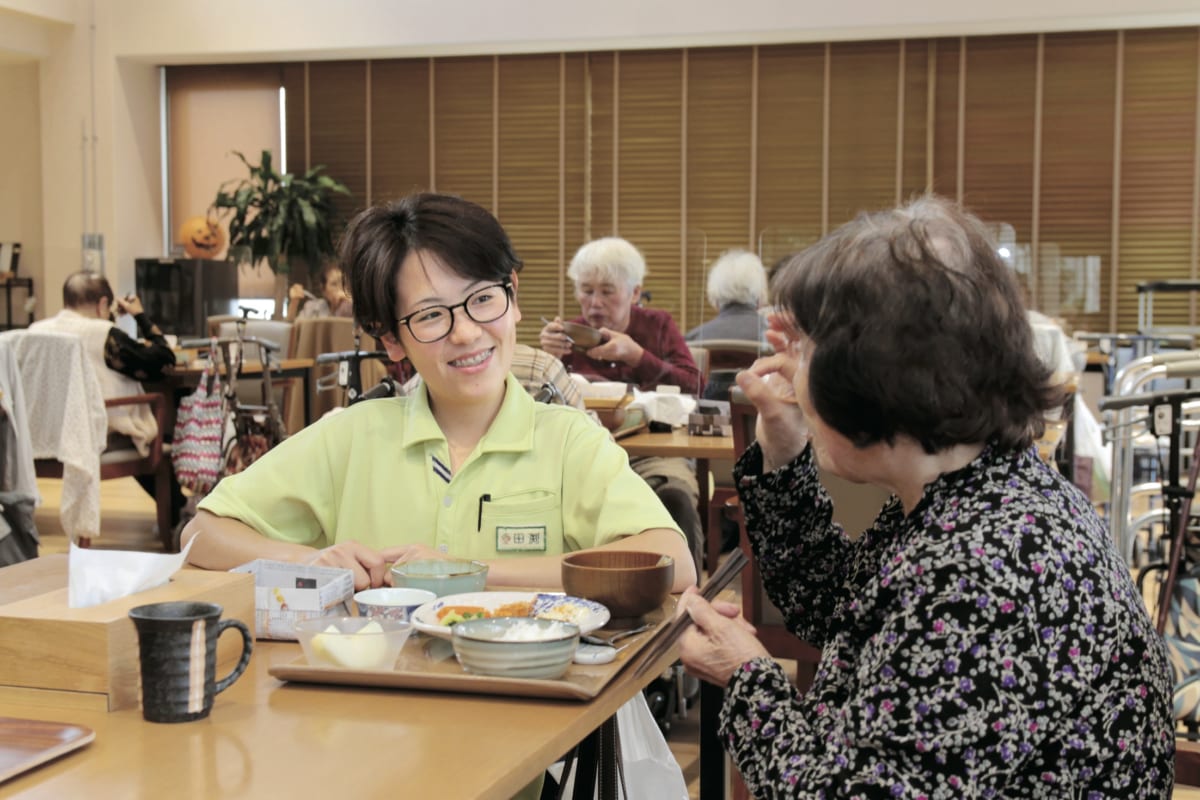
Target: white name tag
{"x": 520, "y": 538}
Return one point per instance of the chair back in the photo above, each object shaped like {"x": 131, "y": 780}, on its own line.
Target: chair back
{"x": 733, "y": 354}
{"x": 272, "y": 330}
{"x": 700, "y": 356}
{"x": 67, "y": 419}
{"x": 725, "y": 358}
{"x": 314, "y": 336}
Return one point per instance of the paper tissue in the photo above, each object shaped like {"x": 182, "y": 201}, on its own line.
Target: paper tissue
{"x": 62, "y": 643}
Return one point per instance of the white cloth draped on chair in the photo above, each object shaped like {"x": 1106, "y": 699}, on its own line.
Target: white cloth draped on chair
{"x": 67, "y": 419}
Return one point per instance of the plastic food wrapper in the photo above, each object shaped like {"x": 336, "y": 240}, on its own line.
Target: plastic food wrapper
{"x": 285, "y": 593}
{"x": 97, "y": 576}
{"x": 650, "y": 769}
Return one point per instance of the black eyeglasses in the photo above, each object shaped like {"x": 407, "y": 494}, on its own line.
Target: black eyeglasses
{"x": 432, "y": 323}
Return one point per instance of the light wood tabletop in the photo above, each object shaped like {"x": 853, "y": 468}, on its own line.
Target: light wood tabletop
{"x": 677, "y": 443}
{"x": 266, "y": 738}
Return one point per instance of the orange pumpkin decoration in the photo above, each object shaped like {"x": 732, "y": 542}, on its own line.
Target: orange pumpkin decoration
{"x": 202, "y": 237}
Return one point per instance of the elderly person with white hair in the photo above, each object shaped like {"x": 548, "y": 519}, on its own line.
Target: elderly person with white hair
{"x": 642, "y": 346}
{"x": 737, "y": 286}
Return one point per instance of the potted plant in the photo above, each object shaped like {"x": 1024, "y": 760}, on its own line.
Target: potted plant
{"x": 280, "y": 218}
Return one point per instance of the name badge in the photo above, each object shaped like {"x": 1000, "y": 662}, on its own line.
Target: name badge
{"x": 520, "y": 538}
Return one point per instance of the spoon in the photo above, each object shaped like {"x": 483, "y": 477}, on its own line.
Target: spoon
{"x": 597, "y": 653}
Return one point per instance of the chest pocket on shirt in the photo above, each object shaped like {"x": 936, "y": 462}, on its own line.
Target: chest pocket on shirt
{"x": 528, "y": 522}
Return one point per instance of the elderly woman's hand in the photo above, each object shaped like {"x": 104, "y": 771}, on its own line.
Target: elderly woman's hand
{"x": 781, "y": 430}
{"x": 617, "y": 346}
{"x": 719, "y": 641}
{"x": 553, "y": 339}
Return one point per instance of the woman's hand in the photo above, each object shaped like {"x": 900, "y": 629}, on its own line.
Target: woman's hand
{"x": 554, "y": 340}
{"x": 719, "y": 641}
{"x": 617, "y": 346}
{"x": 370, "y": 567}
{"x": 296, "y": 292}
{"x": 781, "y": 430}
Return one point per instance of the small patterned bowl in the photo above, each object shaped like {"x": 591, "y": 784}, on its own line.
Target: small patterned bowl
{"x": 391, "y": 602}
{"x": 483, "y": 649}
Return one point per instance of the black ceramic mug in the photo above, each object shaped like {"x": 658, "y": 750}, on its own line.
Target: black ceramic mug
{"x": 178, "y": 655}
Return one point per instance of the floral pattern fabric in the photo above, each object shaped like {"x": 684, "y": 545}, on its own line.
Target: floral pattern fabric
{"x": 989, "y": 644}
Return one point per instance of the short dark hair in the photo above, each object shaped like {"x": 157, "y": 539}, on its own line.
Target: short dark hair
{"x": 464, "y": 236}
{"x": 85, "y": 289}
{"x": 917, "y": 328}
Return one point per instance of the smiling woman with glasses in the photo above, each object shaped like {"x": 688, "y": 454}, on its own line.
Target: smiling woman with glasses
{"x": 469, "y": 466}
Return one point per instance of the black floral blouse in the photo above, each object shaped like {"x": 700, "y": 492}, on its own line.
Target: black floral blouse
{"x": 989, "y": 644}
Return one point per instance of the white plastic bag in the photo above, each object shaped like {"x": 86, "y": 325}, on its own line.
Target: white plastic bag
{"x": 651, "y": 771}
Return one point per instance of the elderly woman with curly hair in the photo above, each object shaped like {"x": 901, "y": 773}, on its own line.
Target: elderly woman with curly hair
{"x": 983, "y": 637}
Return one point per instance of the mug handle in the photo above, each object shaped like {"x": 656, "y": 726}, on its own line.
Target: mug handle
{"x": 247, "y": 649}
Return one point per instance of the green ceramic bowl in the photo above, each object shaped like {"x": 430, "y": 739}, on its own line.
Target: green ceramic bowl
{"x": 442, "y": 577}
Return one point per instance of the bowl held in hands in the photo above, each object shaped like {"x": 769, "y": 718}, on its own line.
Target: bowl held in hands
{"x": 583, "y": 338}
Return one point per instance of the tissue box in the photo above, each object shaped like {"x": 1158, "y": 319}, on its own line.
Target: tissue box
{"x": 88, "y": 657}
{"x": 286, "y": 593}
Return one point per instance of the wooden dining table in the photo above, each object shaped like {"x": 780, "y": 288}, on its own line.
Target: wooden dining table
{"x": 182, "y": 377}
{"x": 268, "y": 738}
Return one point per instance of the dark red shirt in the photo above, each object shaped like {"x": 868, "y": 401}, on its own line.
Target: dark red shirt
{"x": 667, "y": 359}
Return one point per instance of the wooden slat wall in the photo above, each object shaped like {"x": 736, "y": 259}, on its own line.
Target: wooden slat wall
{"x": 719, "y": 100}
{"x": 463, "y": 128}
{"x": 399, "y": 128}
{"x": 790, "y": 107}
{"x": 1078, "y": 120}
{"x": 998, "y": 147}
{"x": 690, "y": 152}
{"x": 946, "y": 116}
{"x": 917, "y": 92}
{"x": 649, "y": 110}
{"x": 530, "y": 177}
{"x": 337, "y": 125}
{"x": 1157, "y": 169}
{"x": 862, "y": 128}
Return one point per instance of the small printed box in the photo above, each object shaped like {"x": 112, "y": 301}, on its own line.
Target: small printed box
{"x": 286, "y": 593}
{"x": 709, "y": 425}
{"x": 711, "y": 418}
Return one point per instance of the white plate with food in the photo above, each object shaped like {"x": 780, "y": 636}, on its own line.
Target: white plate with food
{"x": 437, "y": 617}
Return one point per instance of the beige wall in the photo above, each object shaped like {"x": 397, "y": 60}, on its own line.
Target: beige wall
{"x": 20, "y": 166}
{"x": 214, "y": 112}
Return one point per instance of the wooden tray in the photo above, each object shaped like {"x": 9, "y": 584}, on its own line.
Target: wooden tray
{"x": 26, "y": 743}
{"x": 428, "y": 663}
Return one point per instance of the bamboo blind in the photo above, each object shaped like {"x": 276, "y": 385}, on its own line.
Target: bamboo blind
{"x": 1084, "y": 144}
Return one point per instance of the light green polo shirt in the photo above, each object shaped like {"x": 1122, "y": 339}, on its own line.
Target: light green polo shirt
{"x": 545, "y": 479}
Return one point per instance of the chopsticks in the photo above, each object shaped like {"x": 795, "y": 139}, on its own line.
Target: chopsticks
{"x": 665, "y": 638}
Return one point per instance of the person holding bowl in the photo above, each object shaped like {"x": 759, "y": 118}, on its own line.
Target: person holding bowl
{"x": 983, "y": 637}
{"x": 642, "y": 346}
{"x": 469, "y": 466}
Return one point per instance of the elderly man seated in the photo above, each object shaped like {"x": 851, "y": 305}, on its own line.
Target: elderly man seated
{"x": 642, "y": 346}
{"x": 120, "y": 361}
